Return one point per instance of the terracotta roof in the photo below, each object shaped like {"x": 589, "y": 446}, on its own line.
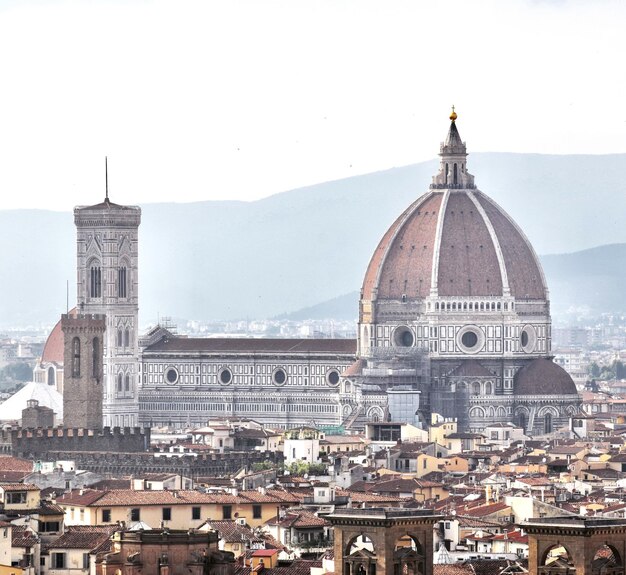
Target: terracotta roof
{"x": 543, "y": 377}
{"x": 233, "y": 532}
{"x": 86, "y": 537}
{"x": 485, "y": 510}
{"x": 18, "y": 487}
{"x": 252, "y": 345}
{"x": 355, "y": 369}
{"x": 299, "y": 520}
{"x": 22, "y": 536}
{"x": 10, "y": 463}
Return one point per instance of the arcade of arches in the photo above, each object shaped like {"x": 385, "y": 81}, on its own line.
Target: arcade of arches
{"x": 382, "y": 541}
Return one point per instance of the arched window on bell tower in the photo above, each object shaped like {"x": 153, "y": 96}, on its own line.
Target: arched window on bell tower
{"x": 121, "y": 282}
{"x": 76, "y": 357}
{"x": 95, "y": 280}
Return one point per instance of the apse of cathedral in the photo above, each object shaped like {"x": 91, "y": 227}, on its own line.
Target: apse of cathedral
{"x": 454, "y": 319}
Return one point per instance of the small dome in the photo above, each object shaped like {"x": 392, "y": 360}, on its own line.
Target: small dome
{"x": 53, "y": 350}
{"x": 543, "y": 377}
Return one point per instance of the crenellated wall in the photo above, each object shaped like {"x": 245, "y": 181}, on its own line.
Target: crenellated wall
{"x": 39, "y": 443}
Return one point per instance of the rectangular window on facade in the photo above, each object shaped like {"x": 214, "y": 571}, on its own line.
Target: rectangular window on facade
{"x": 195, "y": 512}
{"x": 256, "y": 511}
{"x": 135, "y": 514}
{"x": 85, "y": 560}
{"x": 58, "y": 561}
{"x": 167, "y": 514}
{"x": 227, "y": 511}
{"x": 106, "y": 516}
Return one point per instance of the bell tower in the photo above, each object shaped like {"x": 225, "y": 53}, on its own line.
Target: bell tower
{"x": 107, "y": 283}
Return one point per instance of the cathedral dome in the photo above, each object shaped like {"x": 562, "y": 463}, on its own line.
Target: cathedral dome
{"x": 543, "y": 377}
{"x": 453, "y": 241}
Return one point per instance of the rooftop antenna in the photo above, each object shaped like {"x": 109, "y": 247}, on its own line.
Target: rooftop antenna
{"x": 106, "y": 179}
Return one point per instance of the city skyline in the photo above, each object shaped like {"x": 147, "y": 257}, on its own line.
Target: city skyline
{"x": 243, "y": 100}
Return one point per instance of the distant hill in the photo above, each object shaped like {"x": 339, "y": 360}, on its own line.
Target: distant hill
{"x": 293, "y": 250}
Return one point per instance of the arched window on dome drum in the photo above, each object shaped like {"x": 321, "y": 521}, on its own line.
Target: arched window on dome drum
{"x": 547, "y": 423}
{"x": 475, "y": 388}
{"x": 95, "y": 360}
{"x": 95, "y": 281}
{"x": 76, "y": 357}
{"x": 51, "y": 376}
{"x": 121, "y": 282}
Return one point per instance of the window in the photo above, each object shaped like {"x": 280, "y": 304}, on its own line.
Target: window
{"x": 49, "y": 526}
{"x": 126, "y": 337}
{"x": 106, "y": 516}
{"x": 227, "y": 511}
{"x": 167, "y": 514}
{"x": 135, "y": 514}
{"x": 85, "y": 560}
{"x": 95, "y": 281}
{"x": 76, "y": 357}
{"x": 256, "y": 512}
{"x": 127, "y": 383}
{"x": 195, "y": 512}
{"x": 120, "y": 379}
{"x": 16, "y": 497}
{"x": 121, "y": 282}
{"x": 95, "y": 359}
{"x": 58, "y": 561}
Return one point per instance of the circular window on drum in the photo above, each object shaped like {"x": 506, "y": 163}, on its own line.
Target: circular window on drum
{"x": 279, "y": 376}
{"x": 225, "y": 376}
{"x": 332, "y": 377}
{"x": 470, "y": 339}
{"x": 403, "y": 337}
{"x": 528, "y": 339}
{"x": 171, "y": 375}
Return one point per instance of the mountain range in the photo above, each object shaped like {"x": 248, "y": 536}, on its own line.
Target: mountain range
{"x": 298, "y": 249}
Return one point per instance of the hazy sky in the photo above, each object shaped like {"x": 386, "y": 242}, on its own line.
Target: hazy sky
{"x": 238, "y": 99}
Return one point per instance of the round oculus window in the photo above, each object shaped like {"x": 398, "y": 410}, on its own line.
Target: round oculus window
{"x": 279, "y": 376}
{"x": 469, "y": 339}
{"x": 528, "y": 339}
{"x": 225, "y": 376}
{"x": 171, "y": 375}
{"x": 332, "y": 377}
{"x": 403, "y": 337}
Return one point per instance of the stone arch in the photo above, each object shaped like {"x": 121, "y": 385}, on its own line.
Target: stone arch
{"x": 548, "y": 408}
{"x": 408, "y": 555}
{"x": 492, "y": 411}
{"x": 375, "y": 413}
{"x": 477, "y": 412}
{"x": 488, "y": 388}
{"x": 556, "y": 555}
{"x": 501, "y": 412}
{"x": 360, "y": 555}
{"x": 475, "y": 388}
{"x": 607, "y": 559}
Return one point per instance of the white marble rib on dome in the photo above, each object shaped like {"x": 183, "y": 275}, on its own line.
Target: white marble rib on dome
{"x": 46, "y": 395}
